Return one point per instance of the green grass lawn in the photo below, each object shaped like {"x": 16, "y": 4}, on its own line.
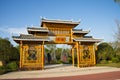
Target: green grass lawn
{"x": 110, "y": 65}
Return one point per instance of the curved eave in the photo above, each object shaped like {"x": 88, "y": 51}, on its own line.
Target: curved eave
{"x": 81, "y": 32}
{"x": 59, "y": 21}
{"x": 16, "y": 39}
{"x": 37, "y": 30}
{"x": 88, "y": 40}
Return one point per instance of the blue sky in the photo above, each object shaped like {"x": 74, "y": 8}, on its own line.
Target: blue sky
{"x": 98, "y": 16}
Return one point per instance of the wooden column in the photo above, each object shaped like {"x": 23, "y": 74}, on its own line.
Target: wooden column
{"x": 71, "y": 35}
{"x": 94, "y": 54}
{"x": 73, "y": 62}
{"x": 20, "y": 54}
{"x": 43, "y": 55}
{"x": 78, "y": 56}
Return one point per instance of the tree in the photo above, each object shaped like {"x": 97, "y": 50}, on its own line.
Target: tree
{"x": 7, "y": 51}
{"x": 105, "y": 52}
{"x": 117, "y": 34}
{"x": 50, "y": 48}
{"x": 58, "y": 53}
{"x": 116, "y": 44}
{"x": 117, "y": 1}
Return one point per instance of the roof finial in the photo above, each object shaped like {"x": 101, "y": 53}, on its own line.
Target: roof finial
{"x": 71, "y": 19}
{"x": 31, "y": 25}
{"x": 26, "y": 25}
{"x": 41, "y": 17}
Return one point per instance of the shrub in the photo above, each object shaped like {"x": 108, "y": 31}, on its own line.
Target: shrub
{"x": 115, "y": 59}
{"x": 69, "y": 59}
{"x": 110, "y": 61}
{"x": 2, "y": 70}
{"x": 12, "y": 66}
{"x": 104, "y": 52}
{"x": 103, "y": 61}
{"x": 59, "y": 62}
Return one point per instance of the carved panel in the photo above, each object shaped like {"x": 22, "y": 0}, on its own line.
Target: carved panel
{"x": 86, "y": 54}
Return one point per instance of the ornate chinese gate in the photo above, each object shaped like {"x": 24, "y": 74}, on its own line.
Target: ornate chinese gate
{"x": 55, "y": 32}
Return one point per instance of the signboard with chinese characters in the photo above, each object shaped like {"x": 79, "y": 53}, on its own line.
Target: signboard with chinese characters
{"x": 60, "y": 39}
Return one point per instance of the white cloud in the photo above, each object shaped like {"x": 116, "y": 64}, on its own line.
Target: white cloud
{"x": 17, "y": 30}
{"x": 9, "y": 32}
{"x": 14, "y": 30}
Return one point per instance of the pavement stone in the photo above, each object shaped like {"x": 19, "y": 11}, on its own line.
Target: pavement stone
{"x": 57, "y": 71}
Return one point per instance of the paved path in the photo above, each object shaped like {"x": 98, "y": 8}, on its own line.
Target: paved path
{"x": 100, "y": 76}
{"x": 63, "y": 71}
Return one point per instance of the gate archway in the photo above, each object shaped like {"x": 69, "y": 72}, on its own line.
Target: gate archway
{"x": 55, "y": 32}
{"x": 59, "y": 53}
